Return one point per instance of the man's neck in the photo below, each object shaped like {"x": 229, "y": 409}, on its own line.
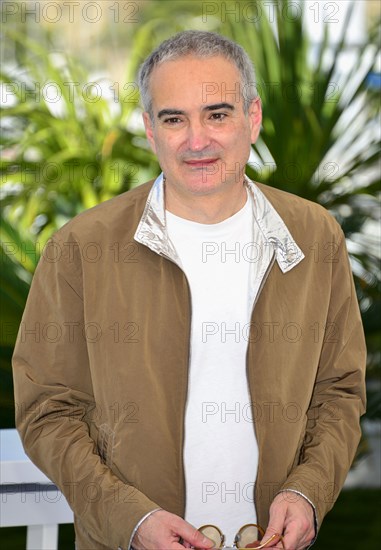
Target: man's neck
{"x": 208, "y": 209}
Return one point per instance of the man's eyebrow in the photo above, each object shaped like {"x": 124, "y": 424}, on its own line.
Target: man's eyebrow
{"x": 169, "y": 112}
{"x": 216, "y": 106}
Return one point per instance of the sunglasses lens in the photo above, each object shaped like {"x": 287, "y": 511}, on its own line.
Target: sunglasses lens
{"x": 213, "y": 534}
{"x": 248, "y": 537}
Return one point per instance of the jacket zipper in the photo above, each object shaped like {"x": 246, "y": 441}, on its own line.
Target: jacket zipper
{"x": 186, "y": 399}
{"x": 186, "y": 396}
{"x": 264, "y": 279}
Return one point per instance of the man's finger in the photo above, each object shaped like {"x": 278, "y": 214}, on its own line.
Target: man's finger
{"x": 191, "y": 535}
{"x": 276, "y": 524}
{"x": 275, "y": 527}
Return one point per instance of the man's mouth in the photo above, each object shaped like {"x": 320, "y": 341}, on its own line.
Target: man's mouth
{"x": 200, "y": 163}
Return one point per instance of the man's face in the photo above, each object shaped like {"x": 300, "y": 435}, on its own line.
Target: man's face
{"x": 199, "y": 131}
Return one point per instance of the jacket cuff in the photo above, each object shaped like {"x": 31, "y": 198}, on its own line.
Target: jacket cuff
{"x": 139, "y": 524}
{"x": 313, "y": 508}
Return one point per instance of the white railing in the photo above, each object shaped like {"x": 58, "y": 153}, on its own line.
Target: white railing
{"x": 28, "y": 497}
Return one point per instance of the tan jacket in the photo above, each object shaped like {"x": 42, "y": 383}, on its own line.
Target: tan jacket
{"x": 101, "y": 362}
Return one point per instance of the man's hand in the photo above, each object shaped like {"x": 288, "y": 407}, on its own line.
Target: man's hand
{"x": 165, "y": 531}
{"x": 293, "y": 516}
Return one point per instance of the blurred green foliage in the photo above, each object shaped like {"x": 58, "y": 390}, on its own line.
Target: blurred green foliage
{"x": 59, "y": 157}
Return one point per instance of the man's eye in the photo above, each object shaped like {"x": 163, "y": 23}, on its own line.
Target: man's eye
{"x": 218, "y": 116}
{"x": 172, "y": 120}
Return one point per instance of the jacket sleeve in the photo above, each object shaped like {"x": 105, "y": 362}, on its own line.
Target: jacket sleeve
{"x": 55, "y": 404}
{"x": 333, "y": 421}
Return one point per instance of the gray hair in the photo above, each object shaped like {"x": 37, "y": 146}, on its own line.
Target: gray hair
{"x": 201, "y": 44}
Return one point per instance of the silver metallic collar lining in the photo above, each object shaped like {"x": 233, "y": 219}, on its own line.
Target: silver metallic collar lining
{"x": 152, "y": 231}
{"x": 275, "y": 231}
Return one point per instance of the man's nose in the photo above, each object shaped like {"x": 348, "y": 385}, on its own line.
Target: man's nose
{"x": 198, "y": 136}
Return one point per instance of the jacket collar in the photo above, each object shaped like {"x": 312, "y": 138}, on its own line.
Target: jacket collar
{"x": 152, "y": 231}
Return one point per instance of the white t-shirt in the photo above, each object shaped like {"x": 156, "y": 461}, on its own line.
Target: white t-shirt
{"x": 220, "y": 450}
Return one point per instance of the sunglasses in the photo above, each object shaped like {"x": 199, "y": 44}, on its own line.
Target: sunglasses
{"x": 249, "y": 536}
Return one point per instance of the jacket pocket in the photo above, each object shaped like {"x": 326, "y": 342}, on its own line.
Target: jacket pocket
{"x": 105, "y": 444}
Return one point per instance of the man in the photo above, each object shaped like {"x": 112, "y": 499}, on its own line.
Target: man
{"x": 209, "y": 365}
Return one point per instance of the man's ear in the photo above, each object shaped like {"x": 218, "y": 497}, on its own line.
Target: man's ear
{"x": 255, "y": 115}
{"x": 149, "y": 130}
